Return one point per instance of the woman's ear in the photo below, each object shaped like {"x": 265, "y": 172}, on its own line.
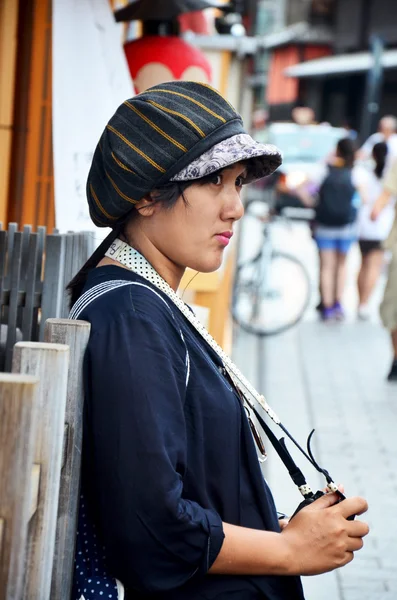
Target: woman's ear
{"x": 146, "y": 206}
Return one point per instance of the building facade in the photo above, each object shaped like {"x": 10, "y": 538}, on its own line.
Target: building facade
{"x": 335, "y": 81}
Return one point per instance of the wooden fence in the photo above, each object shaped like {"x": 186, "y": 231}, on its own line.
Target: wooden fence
{"x": 40, "y": 448}
{"x": 34, "y": 271}
{"x": 41, "y": 399}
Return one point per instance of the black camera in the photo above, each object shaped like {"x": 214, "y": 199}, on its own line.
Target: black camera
{"x": 307, "y": 501}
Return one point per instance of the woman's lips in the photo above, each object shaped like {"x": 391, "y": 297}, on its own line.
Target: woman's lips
{"x": 224, "y": 238}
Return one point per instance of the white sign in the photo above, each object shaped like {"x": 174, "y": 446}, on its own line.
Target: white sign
{"x": 90, "y": 80}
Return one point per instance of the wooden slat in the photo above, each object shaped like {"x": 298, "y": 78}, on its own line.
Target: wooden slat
{"x": 15, "y": 273}
{"x": 30, "y": 281}
{"x": 41, "y": 232}
{"x": 24, "y": 262}
{"x": 18, "y": 422}
{"x": 49, "y": 362}
{"x": 75, "y": 334}
{"x": 52, "y": 297}
{"x": 27, "y": 230}
{"x": 12, "y": 228}
{"x": 68, "y": 273}
{"x": 79, "y": 247}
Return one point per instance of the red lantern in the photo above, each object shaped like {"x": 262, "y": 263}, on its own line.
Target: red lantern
{"x": 154, "y": 59}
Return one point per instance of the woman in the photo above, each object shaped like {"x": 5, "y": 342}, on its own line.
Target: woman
{"x": 371, "y": 233}
{"x": 388, "y": 307}
{"x": 174, "y": 505}
{"x": 335, "y": 228}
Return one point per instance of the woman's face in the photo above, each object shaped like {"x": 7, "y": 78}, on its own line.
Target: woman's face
{"x": 195, "y": 233}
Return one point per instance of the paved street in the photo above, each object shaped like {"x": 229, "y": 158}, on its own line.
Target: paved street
{"x": 332, "y": 377}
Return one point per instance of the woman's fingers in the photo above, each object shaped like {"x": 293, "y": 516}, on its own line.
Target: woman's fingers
{"x": 357, "y": 529}
{"x": 352, "y": 506}
{"x": 354, "y": 544}
{"x": 356, "y": 505}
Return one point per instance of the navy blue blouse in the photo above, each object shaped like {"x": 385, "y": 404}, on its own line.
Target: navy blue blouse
{"x": 168, "y": 455}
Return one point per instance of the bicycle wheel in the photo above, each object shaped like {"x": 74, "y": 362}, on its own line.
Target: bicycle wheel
{"x": 270, "y": 297}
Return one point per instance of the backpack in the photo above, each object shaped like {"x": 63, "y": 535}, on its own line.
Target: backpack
{"x": 335, "y": 206}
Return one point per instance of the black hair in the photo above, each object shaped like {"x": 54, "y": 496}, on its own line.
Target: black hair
{"x": 379, "y": 154}
{"x": 167, "y": 195}
{"x": 346, "y": 149}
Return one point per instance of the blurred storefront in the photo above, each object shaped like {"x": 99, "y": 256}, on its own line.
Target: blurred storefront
{"x": 333, "y": 79}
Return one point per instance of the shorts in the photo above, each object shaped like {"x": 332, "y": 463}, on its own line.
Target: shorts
{"x": 367, "y": 246}
{"x": 341, "y": 245}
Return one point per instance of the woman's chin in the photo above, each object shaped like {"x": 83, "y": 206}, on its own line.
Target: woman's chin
{"x": 211, "y": 266}
{"x": 206, "y": 264}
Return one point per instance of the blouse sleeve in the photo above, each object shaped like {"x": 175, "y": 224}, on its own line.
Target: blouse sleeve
{"x": 155, "y": 539}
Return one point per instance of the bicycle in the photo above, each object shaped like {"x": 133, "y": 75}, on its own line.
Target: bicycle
{"x": 262, "y": 302}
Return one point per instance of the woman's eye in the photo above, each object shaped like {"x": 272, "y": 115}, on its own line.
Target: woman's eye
{"x": 239, "y": 181}
{"x": 216, "y": 179}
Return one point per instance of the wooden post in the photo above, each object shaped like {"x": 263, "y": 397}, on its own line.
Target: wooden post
{"x": 50, "y": 363}
{"x": 75, "y": 334}
{"x": 37, "y": 200}
{"x": 18, "y": 421}
{"x": 8, "y": 54}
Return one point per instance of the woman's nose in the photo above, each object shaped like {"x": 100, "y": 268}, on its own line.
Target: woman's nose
{"x": 234, "y": 208}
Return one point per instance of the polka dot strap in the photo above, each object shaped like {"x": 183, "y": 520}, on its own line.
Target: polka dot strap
{"x": 131, "y": 258}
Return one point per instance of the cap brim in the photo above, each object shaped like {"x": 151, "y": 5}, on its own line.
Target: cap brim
{"x": 261, "y": 159}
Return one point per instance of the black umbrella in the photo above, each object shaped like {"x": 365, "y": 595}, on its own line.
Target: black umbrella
{"x": 163, "y": 10}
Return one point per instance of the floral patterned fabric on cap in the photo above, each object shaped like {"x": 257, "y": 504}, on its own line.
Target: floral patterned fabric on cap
{"x": 262, "y": 159}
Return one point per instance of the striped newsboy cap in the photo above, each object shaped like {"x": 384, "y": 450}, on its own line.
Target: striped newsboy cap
{"x": 171, "y": 132}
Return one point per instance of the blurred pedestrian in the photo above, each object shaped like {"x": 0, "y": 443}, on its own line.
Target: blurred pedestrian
{"x": 388, "y": 308}
{"x": 371, "y": 234}
{"x": 335, "y": 226}
{"x": 173, "y": 500}
{"x": 350, "y": 131}
{"x": 386, "y": 133}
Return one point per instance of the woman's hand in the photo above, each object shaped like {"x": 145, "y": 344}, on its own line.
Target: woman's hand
{"x": 375, "y": 212}
{"x": 380, "y": 204}
{"x": 320, "y": 538}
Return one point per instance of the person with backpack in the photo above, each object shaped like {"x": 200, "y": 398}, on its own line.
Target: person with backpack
{"x": 372, "y": 234}
{"x": 335, "y": 226}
